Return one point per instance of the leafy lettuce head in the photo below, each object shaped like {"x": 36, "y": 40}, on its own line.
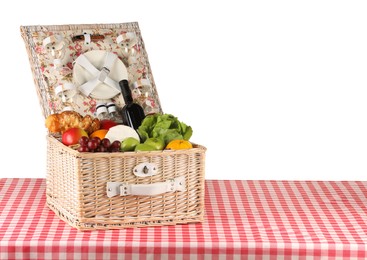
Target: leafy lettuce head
{"x": 164, "y": 126}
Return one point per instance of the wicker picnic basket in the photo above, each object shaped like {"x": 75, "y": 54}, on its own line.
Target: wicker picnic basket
{"x": 103, "y": 190}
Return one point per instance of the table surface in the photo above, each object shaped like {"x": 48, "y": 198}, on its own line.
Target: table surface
{"x": 256, "y": 219}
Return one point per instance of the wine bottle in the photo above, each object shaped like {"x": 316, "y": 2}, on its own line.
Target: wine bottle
{"x": 132, "y": 113}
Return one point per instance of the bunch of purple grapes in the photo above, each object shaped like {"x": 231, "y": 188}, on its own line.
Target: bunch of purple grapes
{"x": 96, "y": 145}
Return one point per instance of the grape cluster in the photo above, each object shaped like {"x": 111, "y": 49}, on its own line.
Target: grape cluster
{"x": 96, "y": 145}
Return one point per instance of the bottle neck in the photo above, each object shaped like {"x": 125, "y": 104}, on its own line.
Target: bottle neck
{"x": 125, "y": 91}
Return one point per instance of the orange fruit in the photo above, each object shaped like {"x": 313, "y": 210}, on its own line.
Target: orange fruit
{"x": 101, "y": 133}
{"x": 179, "y": 145}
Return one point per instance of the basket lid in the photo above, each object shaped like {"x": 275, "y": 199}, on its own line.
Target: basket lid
{"x": 79, "y": 66}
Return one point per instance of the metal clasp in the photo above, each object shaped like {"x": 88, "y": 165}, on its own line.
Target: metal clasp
{"x": 145, "y": 169}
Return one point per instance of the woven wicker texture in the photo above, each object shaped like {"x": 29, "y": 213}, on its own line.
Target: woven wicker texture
{"x": 76, "y": 187}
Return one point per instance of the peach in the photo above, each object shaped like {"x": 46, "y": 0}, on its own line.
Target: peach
{"x": 72, "y": 136}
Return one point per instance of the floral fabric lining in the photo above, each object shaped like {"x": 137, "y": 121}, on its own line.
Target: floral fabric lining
{"x": 56, "y": 50}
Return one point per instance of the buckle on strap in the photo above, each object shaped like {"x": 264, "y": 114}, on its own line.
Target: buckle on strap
{"x": 103, "y": 74}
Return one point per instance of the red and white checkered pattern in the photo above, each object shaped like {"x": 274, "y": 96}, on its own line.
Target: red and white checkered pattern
{"x": 244, "y": 220}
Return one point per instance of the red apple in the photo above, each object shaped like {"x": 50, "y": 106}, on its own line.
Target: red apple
{"x": 72, "y": 136}
{"x": 107, "y": 124}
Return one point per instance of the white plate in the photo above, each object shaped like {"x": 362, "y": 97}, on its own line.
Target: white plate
{"x": 117, "y": 73}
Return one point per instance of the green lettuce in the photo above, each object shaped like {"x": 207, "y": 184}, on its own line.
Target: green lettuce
{"x": 164, "y": 126}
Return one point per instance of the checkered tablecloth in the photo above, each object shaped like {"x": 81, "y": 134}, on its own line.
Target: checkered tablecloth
{"x": 244, "y": 220}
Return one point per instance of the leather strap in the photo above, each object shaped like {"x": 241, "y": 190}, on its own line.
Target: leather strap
{"x": 56, "y": 50}
{"x": 129, "y": 35}
{"x": 52, "y": 38}
{"x": 87, "y": 38}
{"x": 99, "y": 76}
{"x": 125, "y": 189}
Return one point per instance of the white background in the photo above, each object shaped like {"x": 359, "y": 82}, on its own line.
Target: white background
{"x": 273, "y": 89}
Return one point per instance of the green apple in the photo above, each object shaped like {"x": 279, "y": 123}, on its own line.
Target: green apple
{"x": 157, "y": 143}
{"x": 144, "y": 147}
{"x": 129, "y": 144}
